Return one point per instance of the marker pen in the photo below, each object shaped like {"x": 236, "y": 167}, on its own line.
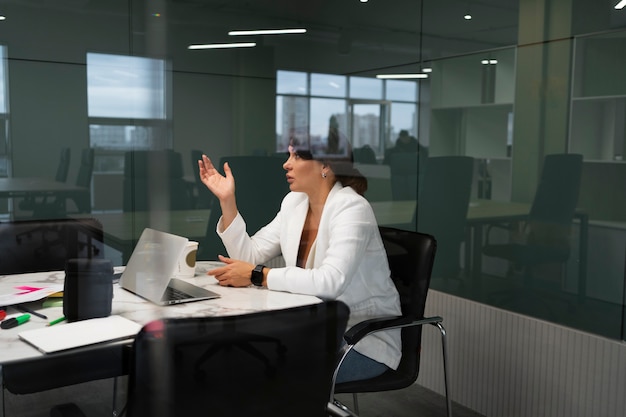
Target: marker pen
{"x": 15, "y": 321}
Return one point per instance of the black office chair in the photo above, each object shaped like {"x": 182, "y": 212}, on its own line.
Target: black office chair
{"x": 411, "y": 256}
{"x": 279, "y": 363}
{"x": 364, "y": 155}
{"x": 154, "y": 180}
{"x": 45, "y": 245}
{"x": 546, "y": 231}
{"x": 46, "y": 206}
{"x": 404, "y": 169}
{"x": 261, "y": 186}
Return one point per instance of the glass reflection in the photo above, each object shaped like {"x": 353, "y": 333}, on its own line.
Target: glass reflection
{"x": 80, "y": 81}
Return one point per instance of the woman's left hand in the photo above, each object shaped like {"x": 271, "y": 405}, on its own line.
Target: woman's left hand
{"x": 234, "y": 274}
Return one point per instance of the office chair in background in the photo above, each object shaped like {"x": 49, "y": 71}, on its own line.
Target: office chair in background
{"x": 291, "y": 376}
{"x": 364, "y": 155}
{"x": 43, "y": 207}
{"x": 53, "y": 234}
{"x": 411, "y": 257}
{"x": 25, "y": 246}
{"x": 261, "y": 186}
{"x": 154, "y": 180}
{"x": 404, "y": 175}
{"x": 546, "y": 231}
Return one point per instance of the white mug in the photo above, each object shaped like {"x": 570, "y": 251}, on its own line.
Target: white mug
{"x": 187, "y": 261}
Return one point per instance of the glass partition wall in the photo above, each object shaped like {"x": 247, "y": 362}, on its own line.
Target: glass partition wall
{"x": 150, "y": 85}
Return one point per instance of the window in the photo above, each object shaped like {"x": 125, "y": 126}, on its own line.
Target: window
{"x": 126, "y": 107}
{"x": 310, "y": 105}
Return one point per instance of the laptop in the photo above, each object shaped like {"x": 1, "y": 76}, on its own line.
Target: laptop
{"x": 152, "y": 265}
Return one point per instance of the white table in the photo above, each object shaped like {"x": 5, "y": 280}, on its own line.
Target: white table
{"x": 233, "y": 301}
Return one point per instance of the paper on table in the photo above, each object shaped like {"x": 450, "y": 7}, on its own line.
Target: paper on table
{"x": 80, "y": 333}
{"x": 27, "y": 293}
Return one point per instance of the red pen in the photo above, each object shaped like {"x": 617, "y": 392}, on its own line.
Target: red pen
{"x": 3, "y": 314}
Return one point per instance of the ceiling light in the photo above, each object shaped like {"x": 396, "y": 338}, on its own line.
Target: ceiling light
{"x": 489, "y": 61}
{"x": 621, "y": 4}
{"x": 467, "y": 16}
{"x": 401, "y": 76}
{"x": 265, "y": 32}
{"x": 223, "y": 45}
{"x": 3, "y": 17}
{"x": 427, "y": 70}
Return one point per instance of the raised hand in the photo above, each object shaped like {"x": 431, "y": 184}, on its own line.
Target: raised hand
{"x": 223, "y": 187}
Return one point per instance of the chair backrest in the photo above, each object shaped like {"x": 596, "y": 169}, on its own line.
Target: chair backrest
{"x": 154, "y": 180}
{"x": 46, "y": 245}
{"x": 404, "y": 175}
{"x": 85, "y": 170}
{"x": 555, "y": 200}
{"x": 260, "y": 187}
{"x": 411, "y": 257}
{"x": 64, "y": 165}
{"x": 280, "y": 363}
{"x": 364, "y": 155}
{"x": 442, "y": 208}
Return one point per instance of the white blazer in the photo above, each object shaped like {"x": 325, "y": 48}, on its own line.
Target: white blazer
{"x": 347, "y": 261}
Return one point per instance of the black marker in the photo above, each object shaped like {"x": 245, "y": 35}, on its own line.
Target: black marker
{"x": 15, "y": 321}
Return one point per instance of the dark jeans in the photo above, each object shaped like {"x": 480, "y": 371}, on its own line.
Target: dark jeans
{"x": 356, "y": 366}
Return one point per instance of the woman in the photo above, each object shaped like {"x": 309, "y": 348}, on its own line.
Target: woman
{"x": 327, "y": 233}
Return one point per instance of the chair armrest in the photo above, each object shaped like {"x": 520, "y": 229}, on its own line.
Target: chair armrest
{"x": 364, "y": 328}
{"x": 504, "y": 226}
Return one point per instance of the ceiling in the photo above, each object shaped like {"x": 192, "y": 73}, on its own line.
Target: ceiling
{"x": 346, "y": 33}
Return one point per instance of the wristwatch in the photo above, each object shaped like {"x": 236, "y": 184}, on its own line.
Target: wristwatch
{"x": 257, "y": 275}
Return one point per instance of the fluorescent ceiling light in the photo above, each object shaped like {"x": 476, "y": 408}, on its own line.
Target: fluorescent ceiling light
{"x": 427, "y": 69}
{"x": 223, "y": 45}
{"x": 621, "y": 4}
{"x": 265, "y": 32}
{"x": 489, "y": 61}
{"x": 3, "y": 17}
{"x": 467, "y": 16}
{"x": 401, "y": 76}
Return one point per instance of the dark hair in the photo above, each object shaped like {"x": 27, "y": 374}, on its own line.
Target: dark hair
{"x": 347, "y": 174}
{"x": 341, "y": 164}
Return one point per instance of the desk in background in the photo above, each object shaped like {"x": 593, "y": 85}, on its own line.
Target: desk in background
{"x": 40, "y": 187}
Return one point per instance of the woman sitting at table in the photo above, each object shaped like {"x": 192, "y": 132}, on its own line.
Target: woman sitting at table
{"x": 327, "y": 233}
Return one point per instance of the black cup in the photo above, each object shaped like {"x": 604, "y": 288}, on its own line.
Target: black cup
{"x": 88, "y": 289}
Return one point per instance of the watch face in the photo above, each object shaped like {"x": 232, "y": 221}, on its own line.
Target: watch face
{"x": 257, "y": 275}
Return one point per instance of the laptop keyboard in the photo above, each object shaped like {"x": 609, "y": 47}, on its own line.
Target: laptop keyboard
{"x": 174, "y": 294}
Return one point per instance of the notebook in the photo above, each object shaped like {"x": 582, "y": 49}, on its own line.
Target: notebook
{"x": 151, "y": 267}
{"x": 66, "y": 336}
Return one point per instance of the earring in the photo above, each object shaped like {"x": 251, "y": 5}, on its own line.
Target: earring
{"x": 323, "y": 174}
